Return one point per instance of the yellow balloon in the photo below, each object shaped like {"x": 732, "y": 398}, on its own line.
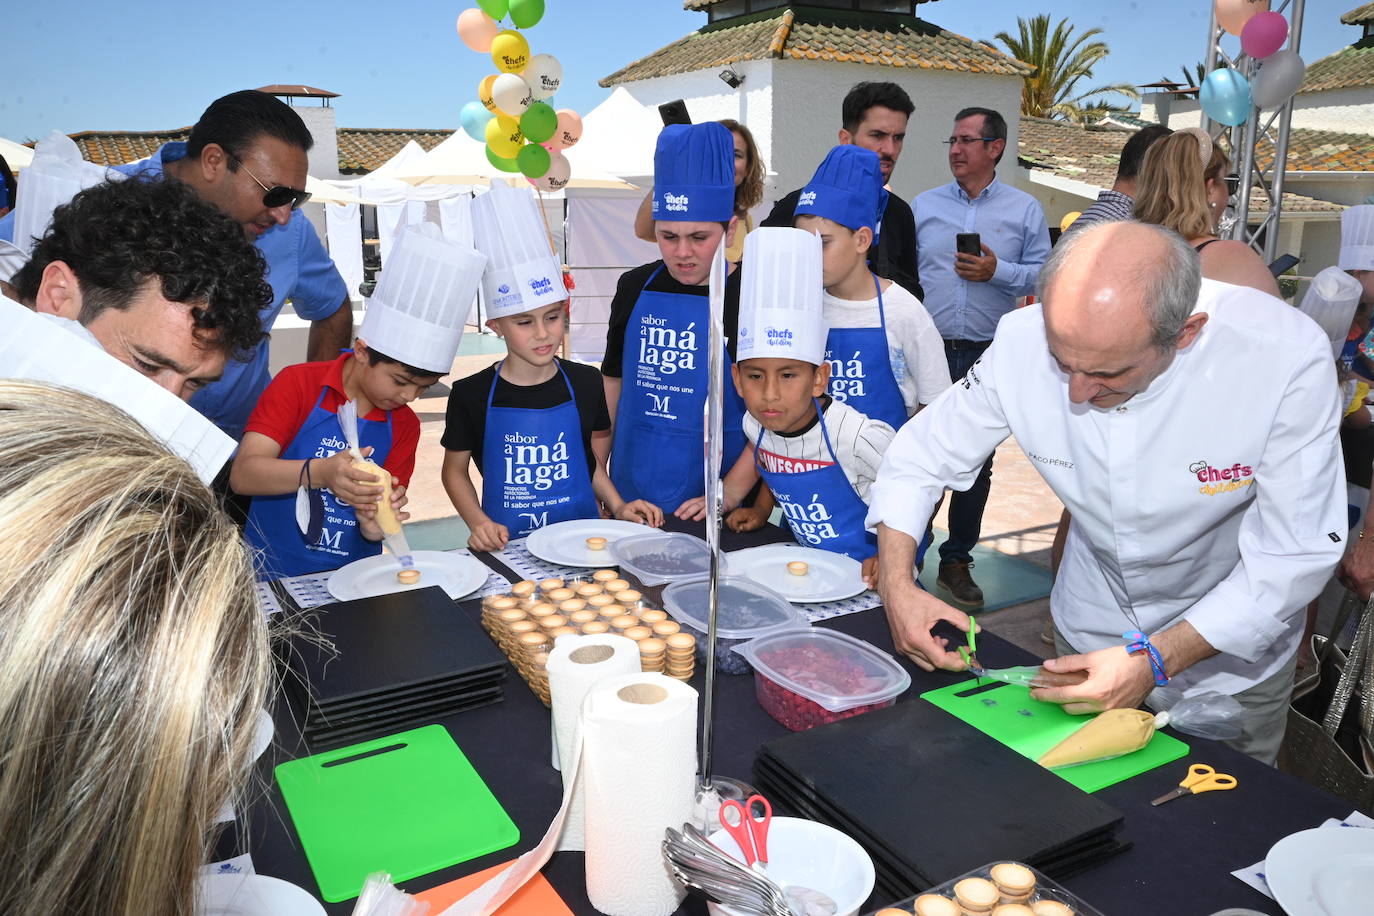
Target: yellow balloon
{"x": 1068, "y": 219}
{"x": 484, "y": 94}
{"x": 504, "y": 136}
{"x": 510, "y": 51}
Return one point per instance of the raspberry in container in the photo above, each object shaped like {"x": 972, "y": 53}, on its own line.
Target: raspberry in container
{"x": 747, "y": 610}
{"x": 805, "y": 678}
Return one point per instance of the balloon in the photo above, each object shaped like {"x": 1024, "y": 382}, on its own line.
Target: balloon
{"x": 496, "y": 9}
{"x": 1264, "y": 34}
{"x": 510, "y": 51}
{"x": 1279, "y": 77}
{"x": 511, "y": 94}
{"x": 544, "y": 74}
{"x": 1233, "y": 14}
{"x": 474, "y": 118}
{"x": 539, "y": 122}
{"x": 502, "y": 163}
{"x": 477, "y": 29}
{"x": 556, "y": 178}
{"x": 1068, "y": 219}
{"x": 1225, "y": 96}
{"x": 569, "y": 128}
{"x": 533, "y": 160}
{"x": 484, "y": 93}
{"x": 525, "y": 13}
{"x": 503, "y": 137}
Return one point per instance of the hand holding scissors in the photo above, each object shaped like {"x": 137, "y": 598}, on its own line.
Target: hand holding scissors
{"x": 1201, "y": 778}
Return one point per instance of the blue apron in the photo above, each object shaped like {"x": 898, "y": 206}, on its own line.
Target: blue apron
{"x": 861, "y": 374}
{"x": 534, "y": 468}
{"x": 658, "y": 453}
{"x": 272, "y": 526}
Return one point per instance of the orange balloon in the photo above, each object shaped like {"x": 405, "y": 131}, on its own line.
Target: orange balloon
{"x": 477, "y": 29}
{"x": 1233, "y": 14}
{"x": 569, "y": 128}
{"x": 484, "y": 94}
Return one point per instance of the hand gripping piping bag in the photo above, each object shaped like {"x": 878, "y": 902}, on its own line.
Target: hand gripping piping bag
{"x": 1120, "y": 731}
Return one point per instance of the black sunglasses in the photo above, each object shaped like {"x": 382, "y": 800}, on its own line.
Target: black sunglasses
{"x": 278, "y": 196}
{"x": 1232, "y": 184}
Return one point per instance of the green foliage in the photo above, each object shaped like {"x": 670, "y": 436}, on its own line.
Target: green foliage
{"x": 1061, "y": 59}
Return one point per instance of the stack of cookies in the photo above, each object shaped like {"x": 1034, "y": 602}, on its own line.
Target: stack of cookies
{"x": 682, "y": 655}
{"x": 1008, "y": 890}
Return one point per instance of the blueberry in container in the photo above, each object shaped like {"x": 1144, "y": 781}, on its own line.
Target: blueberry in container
{"x": 747, "y": 610}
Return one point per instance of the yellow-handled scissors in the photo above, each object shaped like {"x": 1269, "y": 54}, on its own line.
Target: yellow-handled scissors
{"x": 1201, "y": 778}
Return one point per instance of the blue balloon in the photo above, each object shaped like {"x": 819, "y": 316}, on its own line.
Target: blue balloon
{"x": 474, "y": 118}
{"x": 1225, "y": 96}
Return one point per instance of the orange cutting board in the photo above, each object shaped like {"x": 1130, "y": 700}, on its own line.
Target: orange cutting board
{"x": 536, "y": 898}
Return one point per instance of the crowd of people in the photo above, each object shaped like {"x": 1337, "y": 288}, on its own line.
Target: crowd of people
{"x": 875, "y": 357}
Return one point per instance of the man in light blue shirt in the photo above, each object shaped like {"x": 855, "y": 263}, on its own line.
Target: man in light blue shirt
{"x": 967, "y": 294}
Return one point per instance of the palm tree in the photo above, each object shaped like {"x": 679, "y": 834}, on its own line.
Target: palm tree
{"x": 1061, "y": 59}
{"x": 1194, "y": 75}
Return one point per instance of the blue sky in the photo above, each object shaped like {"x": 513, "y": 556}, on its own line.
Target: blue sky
{"x": 149, "y": 66}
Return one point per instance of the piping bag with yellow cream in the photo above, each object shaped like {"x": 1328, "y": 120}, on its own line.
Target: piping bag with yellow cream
{"x": 1121, "y": 731}
{"x": 393, "y": 534}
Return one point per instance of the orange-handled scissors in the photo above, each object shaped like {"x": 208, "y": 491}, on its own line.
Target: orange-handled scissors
{"x": 748, "y": 831}
{"x": 1201, "y": 778}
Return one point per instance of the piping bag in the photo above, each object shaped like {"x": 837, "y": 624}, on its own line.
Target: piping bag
{"x": 393, "y": 534}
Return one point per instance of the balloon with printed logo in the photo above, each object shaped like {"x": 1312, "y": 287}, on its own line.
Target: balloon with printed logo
{"x": 503, "y": 137}
{"x": 474, "y": 118}
{"x": 477, "y": 29}
{"x": 496, "y": 9}
{"x": 544, "y": 74}
{"x": 539, "y": 122}
{"x": 510, "y": 51}
{"x": 1264, "y": 34}
{"x": 533, "y": 160}
{"x": 557, "y": 175}
{"x": 484, "y": 93}
{"x": 525, "y": 13}
{"x": 502, "y": 163}
{"x": 1278, "y": 78}
{"x": 569, "y": 128}
{"x": 1233, "y": 14}
{"x": 511, "y": 94}
{"x": 1225, "y": 96}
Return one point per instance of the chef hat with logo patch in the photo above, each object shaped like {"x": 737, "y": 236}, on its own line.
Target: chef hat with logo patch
{"x": 522, "y": 272}
{"x": 780, "y": 297}
{"x": 847, "y": 188}
{"x": 1330, "y": 301}
{"x": 1357, "y": 238}
{"x": 694, "y": 173}
{"x": 416, "y": 315}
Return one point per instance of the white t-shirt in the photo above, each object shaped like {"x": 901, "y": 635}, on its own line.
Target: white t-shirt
{"x": 914, "y": 346}
{"x": 859, "y": 444}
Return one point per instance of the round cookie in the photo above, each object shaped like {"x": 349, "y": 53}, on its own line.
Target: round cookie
{"x": 1051, "y": 908}
{"x": 1013, "y": 909}
{"x": 935, "y": 905}
{"x": 976, "y": 895}
{"x": 408, "y": 576}
{"x": 1013, "y": 879}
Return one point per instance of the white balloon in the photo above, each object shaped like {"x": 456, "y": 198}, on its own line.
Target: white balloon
{"x": 544, "y": 74}
{"x": 511, "y": 94}
{"x": 556, "y": 178}
{"x": 1279, "y": 77}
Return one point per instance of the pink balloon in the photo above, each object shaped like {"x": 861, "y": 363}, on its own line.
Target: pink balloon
{"x": 477, "y": 29}
{"x": 569, "y": 128}
{"x": 556, "y": 178}
{"x": 1233, "y": 14}
{"x": 1264, "y": 34}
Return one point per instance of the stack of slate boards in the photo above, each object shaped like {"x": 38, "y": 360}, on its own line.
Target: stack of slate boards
{"x": 399, "y": 660}
{"x": 930, "y": 798}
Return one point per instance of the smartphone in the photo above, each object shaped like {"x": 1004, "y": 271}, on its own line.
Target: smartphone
{"x": 674, "y": 113}
{"x": 968, "y": 243}
{"x": 1284, "y": 263}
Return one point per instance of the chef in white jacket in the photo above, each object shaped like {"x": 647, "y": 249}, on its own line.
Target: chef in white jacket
{"x": 1190, "y": 427}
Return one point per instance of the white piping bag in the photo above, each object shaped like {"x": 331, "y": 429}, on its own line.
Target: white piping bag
{"x": 393, "y": 532}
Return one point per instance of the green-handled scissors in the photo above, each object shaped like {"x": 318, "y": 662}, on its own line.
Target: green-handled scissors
{"x": 1201, "y": 778}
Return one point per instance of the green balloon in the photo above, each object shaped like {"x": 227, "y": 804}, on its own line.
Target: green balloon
{"x": 533, "y": 160}
{"x": 505, "y": 165}
{"x": 496, "y": 9}
{"x": 538, "y": 122}
{"x": 525, "y": 13}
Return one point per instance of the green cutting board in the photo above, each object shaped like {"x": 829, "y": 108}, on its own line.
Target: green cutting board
{"x": 1007, "y": 713}
{"x": 408, "y": 804}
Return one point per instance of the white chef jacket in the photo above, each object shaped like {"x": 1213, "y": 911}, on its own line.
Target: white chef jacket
{"x": 1216, "y": 496}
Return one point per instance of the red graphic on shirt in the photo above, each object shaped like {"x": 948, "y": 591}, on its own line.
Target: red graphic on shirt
{"x": 781, "y": 464}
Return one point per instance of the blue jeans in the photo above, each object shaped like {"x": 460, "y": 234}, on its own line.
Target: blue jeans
{"x": 966, "y": 507}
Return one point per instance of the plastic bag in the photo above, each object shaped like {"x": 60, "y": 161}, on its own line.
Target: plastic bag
{"x": 1022, "y": 675}
{"x": 1206, "y": 715}
{"x": 379, "y": 897}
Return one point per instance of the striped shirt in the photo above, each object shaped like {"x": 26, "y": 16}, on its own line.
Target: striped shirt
{"x": 859, "y": 444}
{"x": 1110, "y": 207}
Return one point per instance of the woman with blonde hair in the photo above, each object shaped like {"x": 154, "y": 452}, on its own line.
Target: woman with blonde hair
{"x": 1184, "y": 186}
{"x": 134, "y": 659}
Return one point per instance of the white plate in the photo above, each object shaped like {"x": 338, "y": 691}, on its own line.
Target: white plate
{"x": 1325, "y": 871}
{"x": 459, "y": 575}
{"x": 263, "y": 730}
{"x": 831, "y": 577}
{"x": 254, "y": 895}
{"x": 565, "y": 543}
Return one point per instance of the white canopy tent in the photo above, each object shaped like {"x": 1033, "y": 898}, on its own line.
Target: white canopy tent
{"x": 16, "y": 154}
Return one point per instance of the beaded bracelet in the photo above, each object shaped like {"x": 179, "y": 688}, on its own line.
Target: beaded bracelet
{"x": 1138, "y": 642}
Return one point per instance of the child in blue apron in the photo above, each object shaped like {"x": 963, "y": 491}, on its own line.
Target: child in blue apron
{"x": 885, "y": 355}
{"x": 656, "y": 344}
{"x": 294, "y": 451}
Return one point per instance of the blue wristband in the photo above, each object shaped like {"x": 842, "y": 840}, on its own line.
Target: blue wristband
{"x": 1138, "y": 642}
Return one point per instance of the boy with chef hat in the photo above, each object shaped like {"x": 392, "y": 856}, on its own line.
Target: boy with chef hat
{"x": 294, "y": 439}
{"x": 656, "y": 361}
{"x": 886, "y": 357}
{"x": 530, "y": 420}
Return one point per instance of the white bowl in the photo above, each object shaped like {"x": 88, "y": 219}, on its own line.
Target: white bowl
{"x": 809, "y": 854}
{"x": 253, "y": 895}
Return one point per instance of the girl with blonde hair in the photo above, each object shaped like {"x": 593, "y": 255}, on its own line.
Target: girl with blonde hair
{"x": 1184, "y": 186}
{"x": 135, "y": 658}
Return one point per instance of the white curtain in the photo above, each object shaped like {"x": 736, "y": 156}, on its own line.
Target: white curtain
{"x": 601, "y": 245}
{"x": 344, "y": 232}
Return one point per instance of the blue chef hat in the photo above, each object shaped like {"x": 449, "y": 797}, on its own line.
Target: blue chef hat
{"x": 847, "y": 188}
{"x": 694, "y": 173}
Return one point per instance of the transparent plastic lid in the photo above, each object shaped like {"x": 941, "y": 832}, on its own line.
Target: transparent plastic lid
{"x": 662, "y": 556}
{"x": 747, "y": 609}
{"x": 833, "y": 670}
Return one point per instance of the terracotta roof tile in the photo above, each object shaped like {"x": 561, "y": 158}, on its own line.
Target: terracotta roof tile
{"x": 1359, "y": 15}
{"x": 118, "y": 147}
{"x": 1350, "y": 66}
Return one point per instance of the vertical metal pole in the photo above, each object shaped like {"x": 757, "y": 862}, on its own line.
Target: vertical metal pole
{"x": 1245, "y": 168}
{"x": 1280, "y": 163}
{"x": 714, "y": 445}
{"x": 1211, "y": 64}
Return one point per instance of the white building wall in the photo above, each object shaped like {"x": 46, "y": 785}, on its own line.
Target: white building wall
{"x": 324, "y": 155}
{"x": 1342, "y": 110}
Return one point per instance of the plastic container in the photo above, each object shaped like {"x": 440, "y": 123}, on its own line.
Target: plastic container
{"x": 814, "y": 676}
{"x": 662, "y": 556}
{"x": 1043, "y": 890}
{"x": 747, "y": 610}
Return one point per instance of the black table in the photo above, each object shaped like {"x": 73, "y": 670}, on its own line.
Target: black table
{"x": 1180, "y": 864}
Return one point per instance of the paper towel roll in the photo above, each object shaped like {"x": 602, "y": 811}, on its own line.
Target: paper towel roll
{"x": 638, "y": 771}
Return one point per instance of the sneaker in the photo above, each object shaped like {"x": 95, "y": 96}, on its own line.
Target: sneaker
{"x": 955, "y": 578}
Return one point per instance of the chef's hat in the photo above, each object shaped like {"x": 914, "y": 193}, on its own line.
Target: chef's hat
{"x": 416, "y": 315}
{"x": 780, "y": 297}
{"x": 1330, "y": 301}
{"x": 1357, "y": 238}
{"x": 847, "y": 188}
{"x": 522, "y": 272}
{"x": 694, "y": 173}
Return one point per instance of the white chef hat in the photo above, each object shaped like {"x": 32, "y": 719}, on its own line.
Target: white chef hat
{"x": 522, "y": 272}
{"x": 1330, "y": 301}
{"x": 780, "y": 300}
{"x": 416, "y": 315}
{"x": 1357, "y": 238}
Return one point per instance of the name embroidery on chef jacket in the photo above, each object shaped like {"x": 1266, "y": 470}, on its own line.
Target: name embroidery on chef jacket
{"x": 528, "y": 464}
{"x": 664, "y": 350}
{"x": 846, "y": 377}
{"x": 810, "y": 521}
{"x": 1216, "y": 480}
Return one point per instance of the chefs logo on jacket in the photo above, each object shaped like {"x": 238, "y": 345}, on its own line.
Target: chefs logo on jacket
{"x": 846, "y": 376}
{"x": 666, "y": 349}
{"x": 529, "y": 464}
{"x": 1221, "y": 480}
{"x": 809, "y": 521}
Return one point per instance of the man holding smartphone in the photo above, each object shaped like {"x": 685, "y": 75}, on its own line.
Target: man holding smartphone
{"x": 979, "y": 245}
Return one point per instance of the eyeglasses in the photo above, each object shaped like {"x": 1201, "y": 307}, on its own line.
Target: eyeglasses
{"x": 278, "y": 196}
{"x": 968, "y": 141}
{"x": 1232, "y": 184}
